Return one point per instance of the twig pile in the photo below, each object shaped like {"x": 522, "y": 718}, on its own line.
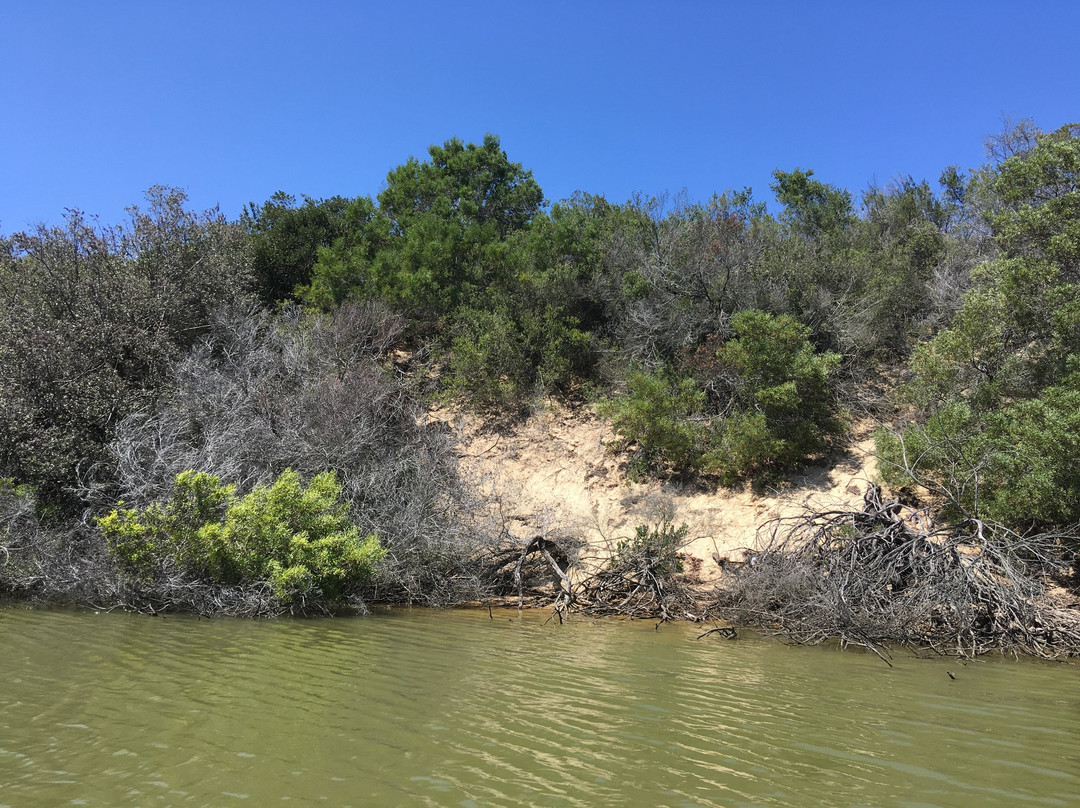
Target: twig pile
{"x": 642, "y": 579}
{"x": 888, "y": 575}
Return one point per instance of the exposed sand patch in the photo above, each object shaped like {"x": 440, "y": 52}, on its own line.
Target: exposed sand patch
{"x": 556, "y": 474}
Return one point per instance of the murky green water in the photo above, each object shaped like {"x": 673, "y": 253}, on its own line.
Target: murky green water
{"x": 456, "y": 709}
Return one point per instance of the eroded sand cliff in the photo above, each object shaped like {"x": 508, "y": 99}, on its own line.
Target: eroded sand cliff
{"x": 557, "y": 473}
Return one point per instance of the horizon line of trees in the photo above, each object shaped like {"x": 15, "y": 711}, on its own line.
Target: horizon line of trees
{"x": 724, "y": 343}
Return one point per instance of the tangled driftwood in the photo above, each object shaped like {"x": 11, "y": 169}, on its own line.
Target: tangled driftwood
{"x": 641, "y": 579}
{"x": 889, "y": 575}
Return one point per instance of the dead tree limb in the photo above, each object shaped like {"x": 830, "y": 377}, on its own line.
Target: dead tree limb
{"x": 887, "y": 575}
{"x": 558, "y": 562}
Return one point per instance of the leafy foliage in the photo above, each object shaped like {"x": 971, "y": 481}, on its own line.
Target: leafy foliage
{"x": 297, "y": 539}
{"x": 760, "y": 404}
{"x": 265, "y": 393}
{"x": 433, "y": 242}
{"x": 286, "y": 238}
{"x": 676, "y": 272}
{"x": 813, "y": 208}
{"x": 500, "y": 356}
{"x": 1000, "y": 385}
{"x": 658, "y": 415}
{"x": 784, "y": 404}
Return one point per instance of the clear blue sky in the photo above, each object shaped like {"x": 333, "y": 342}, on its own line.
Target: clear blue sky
{"x": 235, "y": 100}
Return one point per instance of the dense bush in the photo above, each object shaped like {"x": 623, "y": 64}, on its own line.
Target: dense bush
{"x": 450, "y": 244}
{"x": 286, "y": 238}
{"x": 784, "y": 405}
{"x": 434, "y": 241}
{"x": 91, "y": 320}
{"x": 299, "y": 540}
{"x": 1016, "y": 465}
{"x": 661, "y": 414}
{"x": 500, "y": 358}
{"x": 262, "y": 394}
{"x": 675, "y": 272}
{"x": 760, "y": 404}
{"x": 999, "y": 389}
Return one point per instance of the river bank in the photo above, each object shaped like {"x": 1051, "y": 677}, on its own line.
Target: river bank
{"x": 824, "y": 554}
{"x": 558, "y": 472}
{"x": 548, "y": 515}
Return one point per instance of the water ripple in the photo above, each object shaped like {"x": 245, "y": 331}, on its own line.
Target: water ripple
{"x": 456, "y": 709}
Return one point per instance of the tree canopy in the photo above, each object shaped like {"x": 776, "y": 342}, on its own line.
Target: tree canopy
{"x": 285, "y": 360}
{"x": 1001, "y": 385}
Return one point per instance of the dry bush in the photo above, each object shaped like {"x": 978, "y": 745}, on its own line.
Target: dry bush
{"x": 49, "y": 562}
{"x": 262, "y": 394}
{"x": 888, "y": 575}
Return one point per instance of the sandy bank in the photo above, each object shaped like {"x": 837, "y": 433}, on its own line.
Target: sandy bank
{"x": 556, "y": 473}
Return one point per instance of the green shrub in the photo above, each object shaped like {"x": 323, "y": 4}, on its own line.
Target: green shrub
{"x": 501, "y": 357}
{"x": 783, "y": 400}
{"x": 299, "y": 540}
{"x": 488, "y": 362}
{"x": 1016, "y": 465}
{"x": 653, "y": 548}
{"x": 760, "y": 404}
{"x": 1000, "y": 387}
{"x": 657, "y": 415}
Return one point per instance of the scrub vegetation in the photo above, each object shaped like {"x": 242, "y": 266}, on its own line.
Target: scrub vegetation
{"x": 232, "y": 416}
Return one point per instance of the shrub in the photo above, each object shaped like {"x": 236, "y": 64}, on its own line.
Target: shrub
{"x": 655, "y": 548}
{"x": 91, "y": 321}
{"x": 657, "y": 415}
{"x": 499, "y": 358}
{"x": 298, "y": 540}
{"x": 265, "y": 393}
{"x": 783, "y": 401}
{"x": 761, "y": 404}
{"x": 1000, "y": 388}
{"x": 488, "y": 362}
{"x": 1016, "y": 465}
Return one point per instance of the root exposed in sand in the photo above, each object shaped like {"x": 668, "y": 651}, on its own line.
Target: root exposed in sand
{"x": 813, "y": 560}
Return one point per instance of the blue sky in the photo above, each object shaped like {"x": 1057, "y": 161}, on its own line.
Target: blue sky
{"x": 235, "y": 100}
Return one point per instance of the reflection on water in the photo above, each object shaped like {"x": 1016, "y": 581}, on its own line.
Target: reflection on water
{"x": 411, "y": 707}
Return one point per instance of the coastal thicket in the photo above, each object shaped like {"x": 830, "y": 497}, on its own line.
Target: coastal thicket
{"x": 998, "y": 389}
{"x": 728, "y": 340}
{"x": 92, "y": 318}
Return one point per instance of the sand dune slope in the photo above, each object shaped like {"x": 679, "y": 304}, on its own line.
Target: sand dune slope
{"x": 556, "y": 473}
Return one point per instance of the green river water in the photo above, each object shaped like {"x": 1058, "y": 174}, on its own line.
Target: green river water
{"x": 420, "y": 708}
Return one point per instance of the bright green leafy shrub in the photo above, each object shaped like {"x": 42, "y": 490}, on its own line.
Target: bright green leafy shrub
{"x": 299, "y": 540}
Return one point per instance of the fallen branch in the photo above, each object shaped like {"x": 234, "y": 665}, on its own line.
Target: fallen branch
{"x": 888, "y": 575}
